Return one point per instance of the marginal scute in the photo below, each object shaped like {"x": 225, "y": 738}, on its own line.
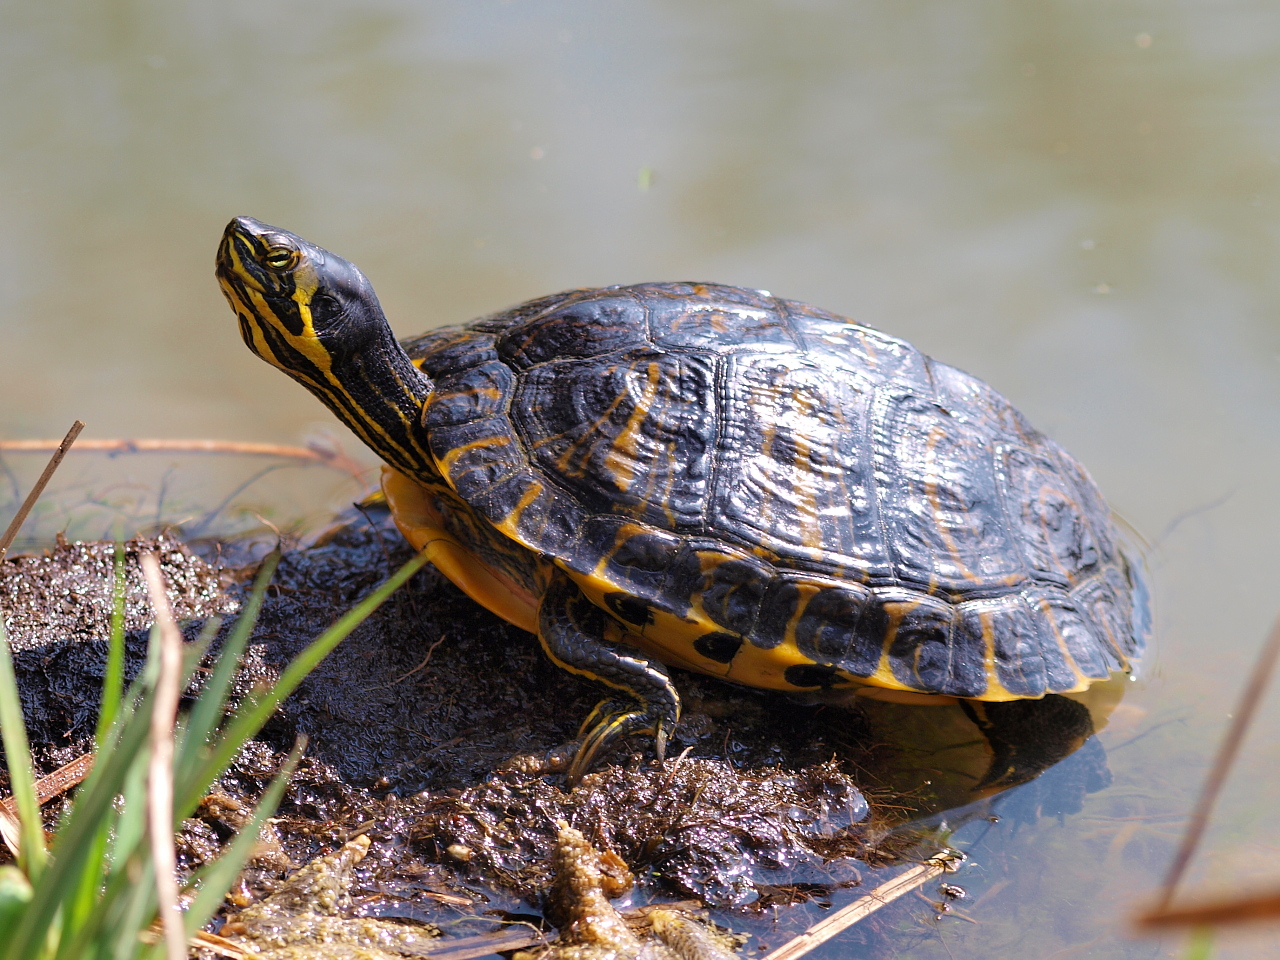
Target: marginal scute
{"x": 728, "y": 586}
{"x": 1070, "y": 629}
{"x": 829, "y": 629}
{"x": 916, "y": 633}
{"x": 1109, "y": 625}
{"x": 584, "y": 328}
{"x": 527, "y": 508}
{"x": 823, "y": 618}
{"x": 629, "y": 555}
{"x": 1139, "y": 595}
{"x": 1005, "y": 630}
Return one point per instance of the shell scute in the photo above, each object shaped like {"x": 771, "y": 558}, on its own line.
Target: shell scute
{"x": 823, "y": 618}
{"x": 940, "y": 500}
{"x": 856, "y": 347}
{"x": 1109, "y": 617}
{"x": 727, "y": 586}
{"x": 626, "y": 555}
{"x": 474, "y": 456}
{"x": 471, "y": 394}
{"x": 1009, "y": 634}
{"x": 531, "y": 511}
{"x": 497, "y": 323}
{"x": 450, "y": 350}
{"x": 1067, "y": 627}
{"x": 579, "y": 329}
{"x": 719, "y": 323}
{"x": 795, "y": 476}
{"x": 1044, "y": 506}
{"x": 630, "y": 434}
{"x": 959, "y": 390}
{"x": 915, "y": 633}
{"x": 1094, "y": 508}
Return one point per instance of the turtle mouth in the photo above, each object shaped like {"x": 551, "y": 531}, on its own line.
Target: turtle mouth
{"x": 237, "y": 261}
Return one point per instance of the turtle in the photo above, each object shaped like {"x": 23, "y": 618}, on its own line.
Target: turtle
{"x": 713, "y": 478}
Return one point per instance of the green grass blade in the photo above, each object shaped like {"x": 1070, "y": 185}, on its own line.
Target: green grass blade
{"x": 211, "y": 703}
{"x": 17, "y": 752}
{"x": 216, "y": 878}
{"x": 250, "y": 717}
{"x": 113, "y": 679}
{"x": 137, "y": 908}
{"x": 15, "y": 896}
{"x": 1200, "y": 944}
{"x": 93, "y": 805}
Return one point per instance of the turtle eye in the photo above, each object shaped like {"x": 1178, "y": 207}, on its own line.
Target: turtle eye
{"x": 280, "y": 258}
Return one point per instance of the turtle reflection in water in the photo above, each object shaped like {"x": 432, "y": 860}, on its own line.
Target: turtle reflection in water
{"x": 713, "y": 478}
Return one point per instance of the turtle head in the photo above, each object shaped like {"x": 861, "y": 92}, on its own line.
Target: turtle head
{"x": 315, "y": 316}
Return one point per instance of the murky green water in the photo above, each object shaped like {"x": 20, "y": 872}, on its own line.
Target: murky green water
{"x": 1076, "y": 200}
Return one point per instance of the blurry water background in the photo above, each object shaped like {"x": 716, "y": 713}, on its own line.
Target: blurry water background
{"x": 1076, "y": 200}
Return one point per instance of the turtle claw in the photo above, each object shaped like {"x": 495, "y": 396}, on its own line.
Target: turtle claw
{"x": 610, "y": 721}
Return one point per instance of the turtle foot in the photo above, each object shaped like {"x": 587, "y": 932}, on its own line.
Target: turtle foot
{"x": 609, "y": 722}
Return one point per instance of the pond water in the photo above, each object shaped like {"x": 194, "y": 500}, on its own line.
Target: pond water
{"x": 1076, "y": 200}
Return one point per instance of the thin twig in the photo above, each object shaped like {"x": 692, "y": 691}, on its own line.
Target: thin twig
{"x": 59, "y": 452}
{"x": 1256, "y": 907}
{"x": 405, "y": 676}
{"x": 1248, "y": 706}
{"x": 942, "y": 862}
{"x": 160, "y": 768}
{"x": 333, "y": 457}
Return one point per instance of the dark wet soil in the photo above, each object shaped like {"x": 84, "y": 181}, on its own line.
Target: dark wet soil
{"x": 436, "y": 729}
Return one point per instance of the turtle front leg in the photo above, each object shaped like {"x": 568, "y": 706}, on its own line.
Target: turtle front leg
{"x": 572, "y": 630}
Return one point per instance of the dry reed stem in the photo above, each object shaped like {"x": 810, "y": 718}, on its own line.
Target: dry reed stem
{"x": 160, "y": 766}
{"x": 10, "y": 830}
{"x": 59, "y": 451}
{"x": 1240, "y": 721}
{"x": 220, "y": 945}
{"x": 466, "y": 948}
{"x": 64, "y": 778}
{"x": 334, "y": 457}
{"x": 1264, "y": 906}
{"x": 942, "y": 862}
{"x": 54, "y": 785}
{"x": 10, "y": 825}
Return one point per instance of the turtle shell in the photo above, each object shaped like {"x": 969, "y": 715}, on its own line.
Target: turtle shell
{"x": 766, "y": 492}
